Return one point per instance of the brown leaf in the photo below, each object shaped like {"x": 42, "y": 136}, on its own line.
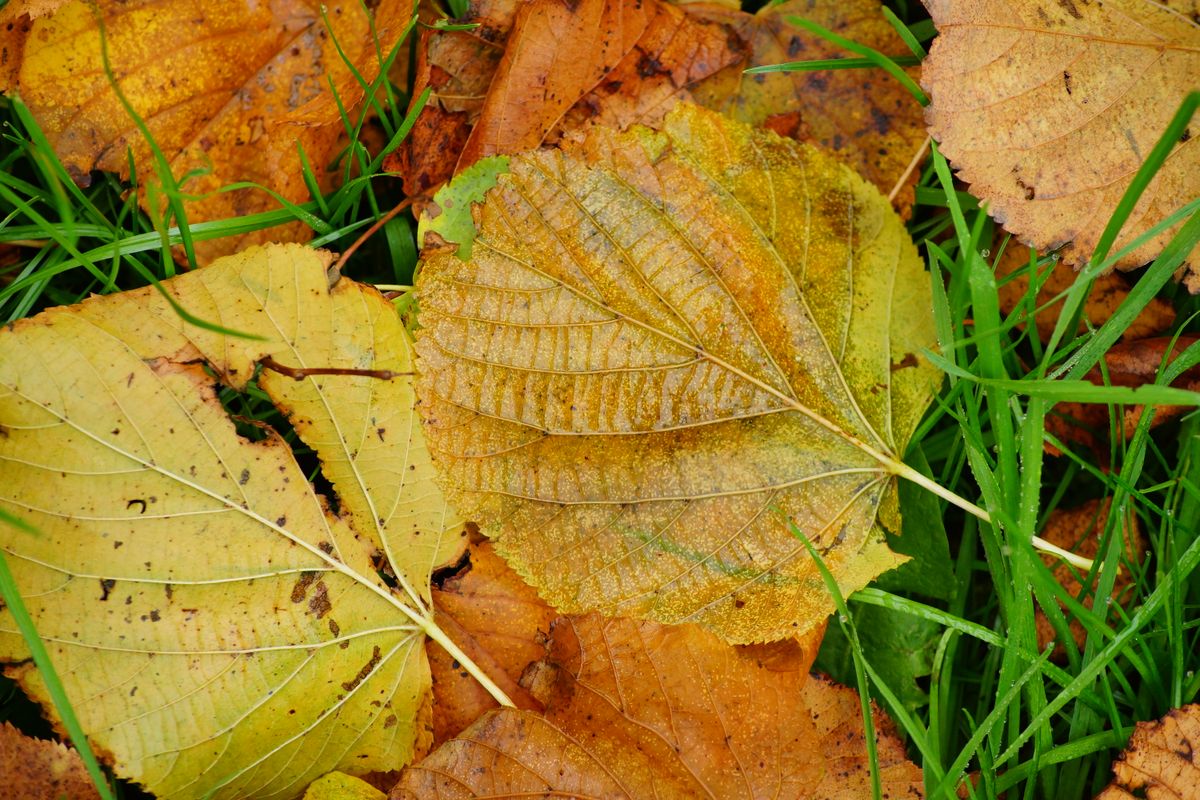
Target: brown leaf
{"x": 1080, "y": 530}
{"x": 1159, "y": 762}
{"x": 1048, "y": 107}
{"x": 500, "y": 622}
{"x": 1107, "y": 293}
{"x": 521, "y": 77}
{"x": 229, "y": 85}
{"x": 865, "y": 116}
{"x": 37, "y": 769}
{"x": 636, "y": 710}
{"x": 1127, "y": 364}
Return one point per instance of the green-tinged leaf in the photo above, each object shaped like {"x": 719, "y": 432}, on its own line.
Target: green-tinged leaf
{"x": 664, "y": 346}
{"x": 898, "y": 646}
{"x": 452, "y": 218}
{"x": 929, "y": 570}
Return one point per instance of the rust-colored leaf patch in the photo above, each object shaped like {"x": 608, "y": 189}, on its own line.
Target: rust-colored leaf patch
{"x": 636, "y": 710}
{"x": 37, "y": 769}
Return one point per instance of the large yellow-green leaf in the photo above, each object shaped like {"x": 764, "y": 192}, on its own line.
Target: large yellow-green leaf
{"x": 219, "y": 630}
{"x": 664, "y": 345}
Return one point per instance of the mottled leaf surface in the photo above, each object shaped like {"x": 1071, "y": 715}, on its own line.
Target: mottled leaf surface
{"x": 665, "y": 346}
{"x": 220, "y": 632}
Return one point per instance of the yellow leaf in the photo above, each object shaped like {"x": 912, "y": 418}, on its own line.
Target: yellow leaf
{"x": 1048, "y": 109}
{"x": 218, "y": 629}
{"x": 227, "y": 88}
{"x": 340, "y": 786}
{"x": 664, "y": 347}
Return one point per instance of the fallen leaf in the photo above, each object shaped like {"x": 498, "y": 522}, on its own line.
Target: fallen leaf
{"x": 531, "y": 73}
{"x": 1159, "y": 761}
{"x": 1126, "y": 364}
{"x": 637, "y": 710}
{"x": 1079, "y": 530}
{"x": 37, "y": 769}
{"x": 863, "y": 115}
{"x": 1048, "y": 109}
{"x": 229, "y": 632}
{"x": 500, "y": 622}
{"x": 229, "y": 89}
{"x": 649, "y": 366}
{"x": 340, "y": 786}
{"x": 1107, "y": 293}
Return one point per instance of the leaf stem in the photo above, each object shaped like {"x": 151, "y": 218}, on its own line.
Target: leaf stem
{"x": 438, "y": 635}
{"x": 907, "y": 472}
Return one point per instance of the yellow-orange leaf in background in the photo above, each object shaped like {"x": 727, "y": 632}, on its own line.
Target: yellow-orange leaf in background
{"x": 665, "y": 346}
{"x": 1159, "y": 761}
{"x": 863, "y": 115}
{"x": 1048, "y": 108}
{"x": 37, "y": 769}
{"x": 219, "y": 630}
{"x": 227, "y": 85}
{"x": 637, "y": 710}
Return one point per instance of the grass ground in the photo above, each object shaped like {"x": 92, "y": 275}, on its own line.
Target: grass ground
{"x": 965, "y": 680}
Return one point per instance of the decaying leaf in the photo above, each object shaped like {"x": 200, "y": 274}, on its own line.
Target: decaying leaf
{"x": 1048, "y": 107}
{"x": 1107, "y": 293}
{"x": 37, "y": 769}
{"x": 531, "y": 71}
{"x": 1080, "y": 530}
{"x": 865, "y": 116}
{"x": 664, "y": 347}
{"x": 500, "y": 622}
{"x": 222, "y": 632}
{"x": 1160, "y": 761}
{"x": 637, "y": 710}
{"x": 1126, "y": 364}
{"x": 227, "y": 88}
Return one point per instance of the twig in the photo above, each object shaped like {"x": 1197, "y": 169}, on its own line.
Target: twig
{"x": 917, "y": 159}
{"x": 371, "y": 231}
{"x": 300, "y": 373}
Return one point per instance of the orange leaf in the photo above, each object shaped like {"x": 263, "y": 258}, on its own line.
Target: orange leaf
{"x": 636, "y": 710}
{"x": 227, "y": 88}
{"x": 37, "y": 769}
{"x": 500, "y": 622}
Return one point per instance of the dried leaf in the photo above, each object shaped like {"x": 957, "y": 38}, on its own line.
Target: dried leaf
{"x": 1080, "y": 530}
{"x": 865, "y": 116}
{"x": 1126, "y": 364}
{"x": 228, "y": 88}
{"x": 501, "y": 623}
{"x": 1048, "y": 107}
{"x": 1160, "y": 761}
{"x": 1107, "y": 293}
{"x": 637, "y": 710}
{"x": 229, "y": 632}
{"x": 521, "y": 77}
{"x": 37, "y": 769}
{"x": 649, "y": 365}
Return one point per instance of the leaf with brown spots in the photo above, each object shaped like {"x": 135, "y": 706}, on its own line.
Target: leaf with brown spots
{"x": 638, "y": 710}
{"x": 228, "y": 88}
{"x": 532, "y": 73}
{"x": 1132, "y": 364}
{"x": 1081, "y": 530}
{"x": 221, "y": 631}
{"x": 1107, "y": 293}
{"x": 1160, "y": 762}
{"x": 499, "y": 621}
{"x": 1048, "y": 108}
{"x": 36, "y": 769}
{"x": 864, "y": 116}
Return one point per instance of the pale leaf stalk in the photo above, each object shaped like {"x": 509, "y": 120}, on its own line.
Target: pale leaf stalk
{"x": 438, "y": 635}
{"x": 907, "y": 472}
